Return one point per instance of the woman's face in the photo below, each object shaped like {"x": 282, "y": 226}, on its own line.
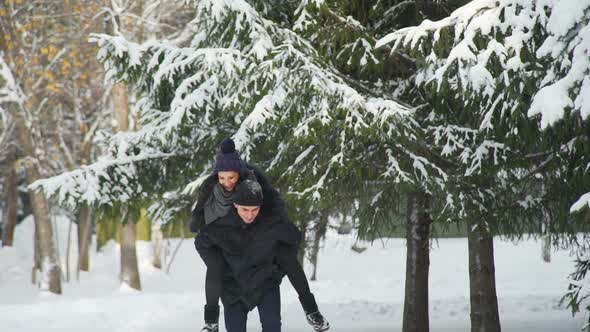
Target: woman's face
{"x": 228, "y": 179}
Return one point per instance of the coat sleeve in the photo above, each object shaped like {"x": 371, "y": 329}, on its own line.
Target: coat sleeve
{"x": 289, "y": 234}
{"x": 198, "y": 213}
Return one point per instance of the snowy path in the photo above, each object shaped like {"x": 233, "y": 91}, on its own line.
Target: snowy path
{"x": 356, "y": 292}
{"x": 177, "y": 313}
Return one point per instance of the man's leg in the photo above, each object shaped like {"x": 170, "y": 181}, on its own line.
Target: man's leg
{"x": 235, "y": 317}
{"x": 269, "y": 310}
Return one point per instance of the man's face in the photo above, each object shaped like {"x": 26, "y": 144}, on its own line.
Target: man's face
{"x": 228, "y": 179}
{"x": 247, "y": 213}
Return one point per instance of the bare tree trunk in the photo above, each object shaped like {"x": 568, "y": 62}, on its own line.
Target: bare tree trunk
{"x": 36, "y": 259}
{"x": 418, "y": 224}
{"x": 68, "y": 251}
{"x": 11, "y": 205}
{"x": 157, "y": 244}
{"x": 303, "y": 244}
{"x": 546, "y": 248}
{"x": 84, "y": 232}
{"x": 482, "y": 281}
{"x": 129, "y": 266}
{"x": 176, "y": 249}
{"x": 546, "y": 238}
{"x": 48, "y": 262}
{"x": 320, "y": 232}
{"x": 50, "y": 271}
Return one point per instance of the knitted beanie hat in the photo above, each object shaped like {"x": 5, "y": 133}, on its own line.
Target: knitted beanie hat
{"x": 248, "y": 193}
{"x": 227, "y": 158}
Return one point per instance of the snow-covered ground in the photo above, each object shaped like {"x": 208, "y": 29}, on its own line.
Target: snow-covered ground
{"x": 356, "y": 292}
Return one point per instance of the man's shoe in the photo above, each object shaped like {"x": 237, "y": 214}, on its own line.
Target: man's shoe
{"x": 318, "y": 322}
{"x": 211, "y": 327}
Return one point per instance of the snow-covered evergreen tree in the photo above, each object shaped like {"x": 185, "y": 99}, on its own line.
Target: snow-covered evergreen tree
{"x": 513, "y": 78}
{"x": 246, "y": 76}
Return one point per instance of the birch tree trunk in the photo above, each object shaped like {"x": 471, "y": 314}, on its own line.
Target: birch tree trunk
{"x": 418, "y": 224}
{"x": 11, "y": 205}
{"x": 482, "y": 280}
{"x": 157, "y": 244}
{"x": 47, "y": 261}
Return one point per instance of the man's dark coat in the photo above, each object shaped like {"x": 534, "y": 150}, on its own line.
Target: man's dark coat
{"x": 250, "y": 252}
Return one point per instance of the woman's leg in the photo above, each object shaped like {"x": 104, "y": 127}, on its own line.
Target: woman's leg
{"x": 213, "y": 259}
{"x": 269, "y": 310}
{"x": 287, "y": 260}
{"x": 214, "y": 278}
{"x": 235, "y": 317}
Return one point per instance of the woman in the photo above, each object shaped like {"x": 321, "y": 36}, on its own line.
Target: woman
{"x": 215, "y": 202}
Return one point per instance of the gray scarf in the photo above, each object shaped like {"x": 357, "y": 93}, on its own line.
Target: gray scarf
{"x": 218, "y": 204}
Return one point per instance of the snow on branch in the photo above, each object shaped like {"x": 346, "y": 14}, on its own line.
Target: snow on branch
{"x": 507, "y": 31}
{"x": 101, "y": 183}
{"x": 582, "y": 202}
{"x": 231, "y": 24}
{"x": 9, "y": 90}
{"x": 567, "y": 48}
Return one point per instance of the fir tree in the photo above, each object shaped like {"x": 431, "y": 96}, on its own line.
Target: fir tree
{"x": 505, "y": 80}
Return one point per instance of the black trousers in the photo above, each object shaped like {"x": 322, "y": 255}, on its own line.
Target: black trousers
{"x": 286, "y": 258}
{"x": 269, "y": 310}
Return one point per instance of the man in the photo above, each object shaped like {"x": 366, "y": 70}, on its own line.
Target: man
{"x": 214, "y": 203}
{"x": 258, "y": 249}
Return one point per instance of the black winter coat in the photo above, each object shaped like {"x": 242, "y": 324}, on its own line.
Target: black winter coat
{"x": 249, "y": 251}
{"x": 272, "y": 200}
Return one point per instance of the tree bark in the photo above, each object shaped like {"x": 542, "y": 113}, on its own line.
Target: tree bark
{"x": 47, "y": 255}
{"x": 546, "y": 248}
{"x": 11, "y": 205}
{"x": 129, "y": 268}
{"x": 84, "y": 232}
{"x": 546, "y": 238}
{"x": 482, "y": 281}
{"x": 418, "y": 224}
{"x": 85, "y": 214}
{"x": 157, "y": 244}
{"x": 303, "y": 244}
{"x": 48, "y": 263}
{"x": 36, "y": 258}
{"x": 68, "y": 251}
{"x": 320, "y": 232}
{"x": 128, "y": 232}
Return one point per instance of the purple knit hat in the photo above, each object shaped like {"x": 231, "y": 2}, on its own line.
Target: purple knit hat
{"x": 227, "y": 158}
